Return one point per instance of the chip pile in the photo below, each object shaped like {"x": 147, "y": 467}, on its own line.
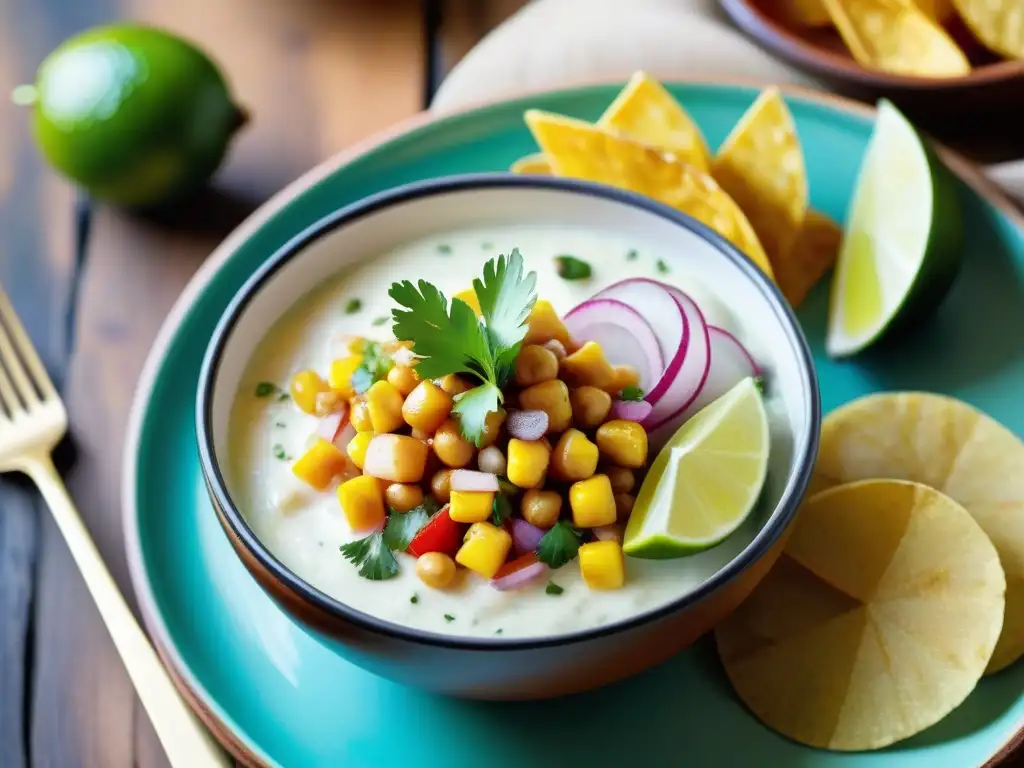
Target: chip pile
{"x": 753, "y": 191}
{"x": 902, "y": 582}
{"x": 910, "y": 37}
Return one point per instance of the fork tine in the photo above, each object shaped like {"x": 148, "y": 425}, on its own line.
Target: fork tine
{"x": 24, "y": 347}
{"x": 8, "y": 399}
{"x": 15, "y": 369}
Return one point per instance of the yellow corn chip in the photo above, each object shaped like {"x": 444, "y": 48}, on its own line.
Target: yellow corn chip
{"x": 801, "y": 267}
{"x": 936, "y": 10}
{"x": 645, "y": 111}
{"x": 580, "y": 150}
{"x": 895, "y": 36}
{"x": 804, "y": 13}
{"x": 536, "y": 164}
{"x": 761, "y": 166}
{"x": 998, "y": 24}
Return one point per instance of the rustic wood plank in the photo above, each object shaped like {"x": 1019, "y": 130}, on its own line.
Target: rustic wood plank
{"x": 316, "y": 77}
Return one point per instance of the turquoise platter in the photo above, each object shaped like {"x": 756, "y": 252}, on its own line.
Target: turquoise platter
{"x": 277, "y": 697}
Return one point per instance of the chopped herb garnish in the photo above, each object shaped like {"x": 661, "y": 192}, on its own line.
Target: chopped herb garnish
{"x": 280, "y": 424}
{"x": 553, "y": 589}
{"x": 449, "y": 617}
{"x": 631, "y": 394}
{"x": 559, "y": 545}
{"x": 759, "y": 383}
{"x": 353, "y": 306}
{"x": 487, "y": 246}
{"x": 375, "y": 366}
{"x": 414, "y": 599}
{"x": 279, "y": 452}
{"x": 502, "y": 510}
{"x": 283, "y": 397}
{"x": 661, "y": 266}
{"x": 380, "y": 320}
{"x": 498, "y": 631}
{"x": 632, "y": 254}
{"x": 372, "y": 557}
{"x": 266, "y": 389}
{"x": 402, "y": 527}
{"x": 444, "y": 248}
{"x": 571, "y": 268}
{"x": 452, "y": 340}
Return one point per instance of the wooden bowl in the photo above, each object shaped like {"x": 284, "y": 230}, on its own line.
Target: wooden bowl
{"x": 962, "y": 111}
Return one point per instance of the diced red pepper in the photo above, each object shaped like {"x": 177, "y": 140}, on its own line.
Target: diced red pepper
{"x": 516, "y": 565}
{"x": 440, "y": 534}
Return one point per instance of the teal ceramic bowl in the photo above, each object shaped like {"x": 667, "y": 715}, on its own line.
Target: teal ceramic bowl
{"x": 509, "y": 667}
{"x": 278, "y": 697}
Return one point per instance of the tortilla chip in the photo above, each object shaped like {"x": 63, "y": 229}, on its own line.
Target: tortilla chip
{"x": 535, "y": 164}
{"x": 761, "y": 166}
{"x": 645, "y": 111}
{"x": 798, "y": 270}
{"x": 580, "y": 150}
{"x": 804, "y": 13}
{"x": 876, "y": 622}
{"x": 896, "y": 36}
{"x": 998, "y": 24}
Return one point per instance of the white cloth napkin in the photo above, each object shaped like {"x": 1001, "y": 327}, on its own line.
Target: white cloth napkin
{"x": 551, "y": 43}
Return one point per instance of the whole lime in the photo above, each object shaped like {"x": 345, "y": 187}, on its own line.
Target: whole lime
{"x": 133, "y": 114}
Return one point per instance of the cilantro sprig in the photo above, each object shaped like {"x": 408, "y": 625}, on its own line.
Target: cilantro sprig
{"x": 631, "y": 394}
{"x": 559, "y": 545}
{"x": 375, "y": 366}
{"x": 374, "y": 556}
{"x": 450, "y": 339}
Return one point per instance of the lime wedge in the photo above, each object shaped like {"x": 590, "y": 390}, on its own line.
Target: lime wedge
{"x": 705, "y": 481}
{"x": 903, "y": 238}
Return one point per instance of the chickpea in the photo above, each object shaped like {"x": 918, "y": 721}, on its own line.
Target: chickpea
{"x": 403, "y": 379}
{"x": 622, "y": 479}
{"x": 451, "y": 447}
{"x": 435, "y": 569}
{"x": 326, "y": 402}
{"x": 492, "y": 460}
{"x": 402, "y": 497}
{"x": 534, "y": 365}
{"x": 492, "y": 427}
{"x": 552, "y": 397}
{"x": 453, "y": 384}
{"x": 623, "y": 506}
{"x": 541, "y": 508}
{"x": 441, "y": 485}
{"x": 590, "y": 407}
{"x": 557, "y": 347}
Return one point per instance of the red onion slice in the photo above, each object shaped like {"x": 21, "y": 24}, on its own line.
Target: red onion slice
{"x": 472, "y": 481}
{"x": 631, "y": 410}
{"x": 527, "y": 425}
{"x": 520, "y": 578}
{"x": 730, "y": 364}
{"x": 623, "y": 333}
{"x": 608, "y": 533}
{"x": 525, "y": 536}
{"x": 327, "y": 427}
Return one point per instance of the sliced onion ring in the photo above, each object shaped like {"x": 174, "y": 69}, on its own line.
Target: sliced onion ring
{"x": 631, "y": 410}
{"x": 525, "y": 536}
{"x": 472, "y": 481}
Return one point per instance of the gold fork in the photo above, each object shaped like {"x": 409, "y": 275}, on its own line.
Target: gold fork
{"x": 32, "y": 422}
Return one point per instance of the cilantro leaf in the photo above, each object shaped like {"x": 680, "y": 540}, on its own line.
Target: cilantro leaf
{"x": 375, "y": 366}
{"x": 447, "y": 342}
{"x": 553, "y": 589}
{"x": 472, "y": 408}
{"x": 402, "y": 527}
{"x": 759, "y": 384}
{"x": 506, "y": 299}
{"x": 372, "y": 557}
{"x": 631, "y": 394}
{"x": 266, "y": 389}
{"x": 559, "y": 545}
{"x": 502, "y": 510}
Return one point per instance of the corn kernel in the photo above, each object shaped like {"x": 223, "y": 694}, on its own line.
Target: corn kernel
{"x": 304, "y": 387}
{"x": 357, "y": 447}
{"x": 469, "y": 296}
{"x": 362, "y": 501}
{"x": 403, "y": 378}
{"x": 527, "y": 462}
{"x": 471, "y": 506}
{"x": 625, "y": 376}
{"x": 385, "y": 405}
{"x": 602, "y": 565}
{"x": 359, "y": 415}
{"x": 552, "y": 397}
{"x": 484, "y": 549}
{"x": 592, "y": 502}
{"x": 356, "y": 345}
{"x": 402, "y": 497}
{"x": 587, "y": 365}
{"x": 427, "y": 407}
{"x": 318, "y": 466}
{"x": 396, "y": 458}
{"x": 544, "y": 324}
{"x": 454, "y": 384}
{"x": 340, "y": 375}
{"x": 590, "y": 407}
{"x": 451, "y": 447}
{"x": 574, "y": 456}
{"x": 623, "y": 443}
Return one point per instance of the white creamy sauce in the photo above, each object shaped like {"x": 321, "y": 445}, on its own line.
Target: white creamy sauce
{"x": 304, "y": 528}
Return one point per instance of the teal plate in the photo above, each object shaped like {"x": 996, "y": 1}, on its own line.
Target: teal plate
{"x": 278, "y": 697}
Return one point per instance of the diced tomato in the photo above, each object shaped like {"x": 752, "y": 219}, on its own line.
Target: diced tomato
{"x": 516, "y": 565}
{"x": 440, "y": 534}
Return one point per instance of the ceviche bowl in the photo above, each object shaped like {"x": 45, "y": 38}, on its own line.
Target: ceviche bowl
{"x": 499, "y": 562}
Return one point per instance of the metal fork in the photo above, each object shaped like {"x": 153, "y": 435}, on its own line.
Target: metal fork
{"x": 32, "y": 421}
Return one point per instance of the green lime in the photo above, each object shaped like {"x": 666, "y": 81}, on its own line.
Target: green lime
{"x": 903, "y": 238}
{"x": 135, "y": 115}
{"x": 705, "y": 481}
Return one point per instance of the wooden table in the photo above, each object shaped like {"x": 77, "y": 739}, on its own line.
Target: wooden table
{"x": 93, "y": 285}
